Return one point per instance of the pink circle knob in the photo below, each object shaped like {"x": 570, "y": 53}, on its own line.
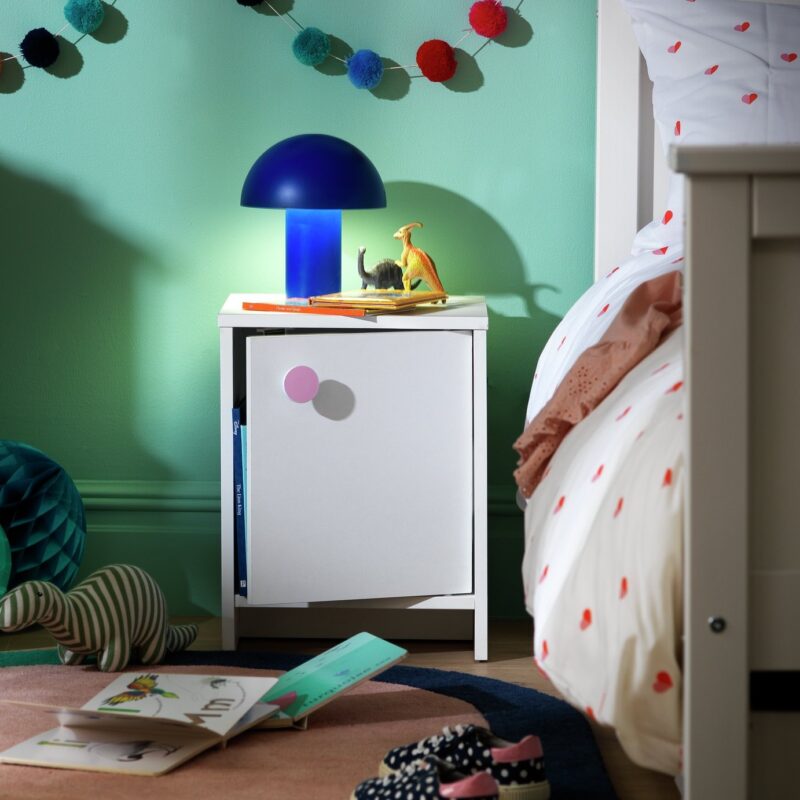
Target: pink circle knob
{"x": 301, "y": 384}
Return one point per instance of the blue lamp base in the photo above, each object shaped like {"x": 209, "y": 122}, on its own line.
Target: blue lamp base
{"x": 313, "y": 252}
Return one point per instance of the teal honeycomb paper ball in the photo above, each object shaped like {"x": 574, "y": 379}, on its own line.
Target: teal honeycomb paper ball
{"x": 5, "y": 562}
{"x": 85, "y": 16}
{"x": 42, "y": 514}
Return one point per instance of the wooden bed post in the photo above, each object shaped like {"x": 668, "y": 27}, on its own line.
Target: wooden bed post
{"x": 742, "y": 578}
{"x": 716, "y": 578}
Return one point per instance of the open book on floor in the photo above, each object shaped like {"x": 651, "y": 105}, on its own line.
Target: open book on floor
{"x": 324, "y": 677}
{"x": 146, "y": 723}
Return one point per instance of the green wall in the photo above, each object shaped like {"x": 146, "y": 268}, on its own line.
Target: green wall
{"x": 121, "y": 233}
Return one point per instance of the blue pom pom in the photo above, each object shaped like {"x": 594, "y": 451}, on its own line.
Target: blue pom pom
{"x": 85, "y": 16}
{"x": 311, "y": 46}
{"x": 365, "y": 69}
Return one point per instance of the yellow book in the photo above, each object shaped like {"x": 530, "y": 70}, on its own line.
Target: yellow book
{"x": 377, "y": 299}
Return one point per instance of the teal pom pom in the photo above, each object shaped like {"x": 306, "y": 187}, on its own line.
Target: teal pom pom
{"x": 365, "y": 69}
{"x": 42, "y": 514}
{"x": 85, "y": 16}
{"x": 311, "y": 46}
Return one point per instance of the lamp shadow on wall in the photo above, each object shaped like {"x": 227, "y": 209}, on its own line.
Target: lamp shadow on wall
{"x": 68, "y": 332}
{"x": 474, "y": 255}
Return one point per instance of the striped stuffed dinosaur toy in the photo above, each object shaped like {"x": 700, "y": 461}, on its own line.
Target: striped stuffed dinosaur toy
{"x": 118, "y": 612}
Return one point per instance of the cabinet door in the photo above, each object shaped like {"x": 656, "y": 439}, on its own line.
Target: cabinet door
{"x": 365, "y": 491}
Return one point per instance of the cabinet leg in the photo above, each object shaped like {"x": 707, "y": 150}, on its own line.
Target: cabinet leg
{"x": 481, "y": 642}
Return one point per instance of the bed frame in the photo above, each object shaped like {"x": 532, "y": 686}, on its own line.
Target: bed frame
{"x": 742, "y": 522}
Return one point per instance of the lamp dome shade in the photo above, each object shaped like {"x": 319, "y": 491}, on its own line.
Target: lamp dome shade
{"x": 313, "y": 171}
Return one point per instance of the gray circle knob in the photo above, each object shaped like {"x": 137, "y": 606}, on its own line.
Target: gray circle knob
{"x": 717, "y": 624}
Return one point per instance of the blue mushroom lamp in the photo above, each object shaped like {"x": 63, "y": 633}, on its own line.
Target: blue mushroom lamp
{"x": 314, "y": 177}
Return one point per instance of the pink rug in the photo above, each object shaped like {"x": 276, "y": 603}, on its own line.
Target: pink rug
{"x": 343, "y": 745}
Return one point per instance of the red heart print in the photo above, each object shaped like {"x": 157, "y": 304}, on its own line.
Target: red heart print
{"x": 789, "y": 57}
{"x": 667, "y": 478}
{"x": 679, "y": 417}
{"x": 663, "y": 682}
{"x": 603, "y": 310}
{"x": 749, "y": 99}
{"x": 616, "y": 269}
{"x": 598, "y": 473}
{"x": 673, "y": 48}
{"x": 711, "y": 70}
{"x": 590, "y": 713}
{"x": 544, "y": 572}
{"x": 545, "y": 651}
{"x": 559, "y": 504}
{"x": 623, "y": 588}
{"x": 586, "y": 618}
{"x": 661, "y": 251}
{"x": 741, "y": 27}
{"x": 623, "y": 414}
{"x": 618, "y": 509}
{"x": 677, "y": 127}
{"x": 674, "y": 388}
{"x": 667, "y": 218}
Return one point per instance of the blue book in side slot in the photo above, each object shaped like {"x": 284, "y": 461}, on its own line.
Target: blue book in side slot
{"x": 238, "y": 505}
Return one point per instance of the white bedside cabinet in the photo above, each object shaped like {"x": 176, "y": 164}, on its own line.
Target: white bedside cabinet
{"x": 373, "y": 493}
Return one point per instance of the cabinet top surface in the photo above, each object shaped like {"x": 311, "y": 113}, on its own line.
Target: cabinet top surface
{"x": 461, "y": 312}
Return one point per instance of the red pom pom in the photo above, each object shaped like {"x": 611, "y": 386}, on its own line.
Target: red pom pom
{"x": 488, "y": 18}
{"x": 437, "y": 60}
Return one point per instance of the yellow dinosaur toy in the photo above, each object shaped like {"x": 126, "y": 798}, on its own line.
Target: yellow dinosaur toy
{"x": 416, "y": 263}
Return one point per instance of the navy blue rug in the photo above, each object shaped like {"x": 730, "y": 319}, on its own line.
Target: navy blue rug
{"x": 574, "y": 766}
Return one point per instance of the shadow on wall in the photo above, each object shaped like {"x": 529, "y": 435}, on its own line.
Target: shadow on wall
{"x": 475, "y": 255}
{"x": 67, "y": 332}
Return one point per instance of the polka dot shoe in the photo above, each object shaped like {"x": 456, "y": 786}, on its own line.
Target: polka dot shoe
{"x": 518, "y": 767}
{"x": 428, "y": 779}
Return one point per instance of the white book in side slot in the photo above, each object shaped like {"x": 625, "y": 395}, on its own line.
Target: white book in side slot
{"x": 145, "y": 723}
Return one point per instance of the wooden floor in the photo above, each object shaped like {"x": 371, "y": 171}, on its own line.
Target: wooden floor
{"x": 509, "y": 660}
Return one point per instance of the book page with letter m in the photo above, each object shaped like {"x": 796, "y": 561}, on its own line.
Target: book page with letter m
{"x": 146, "y": 723}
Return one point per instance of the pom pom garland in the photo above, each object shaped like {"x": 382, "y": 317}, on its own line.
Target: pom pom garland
{"x": 40, "y": 48}
{"x": 85, "y": 16}
{"x": 311, "y": 46}
{"x": 488, "y": 18}
{"x": 437, "y": 60}
{"x": 435, "y": 57}
{"x": 365, "y": 69}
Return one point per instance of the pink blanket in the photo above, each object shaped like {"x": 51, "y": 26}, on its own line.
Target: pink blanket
{"x": 651, "y": 312}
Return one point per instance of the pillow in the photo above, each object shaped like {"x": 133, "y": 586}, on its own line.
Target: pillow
{"x": 723, "y": 72}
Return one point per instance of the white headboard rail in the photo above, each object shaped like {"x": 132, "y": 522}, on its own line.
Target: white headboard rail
{"x": 630, "y": 166}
